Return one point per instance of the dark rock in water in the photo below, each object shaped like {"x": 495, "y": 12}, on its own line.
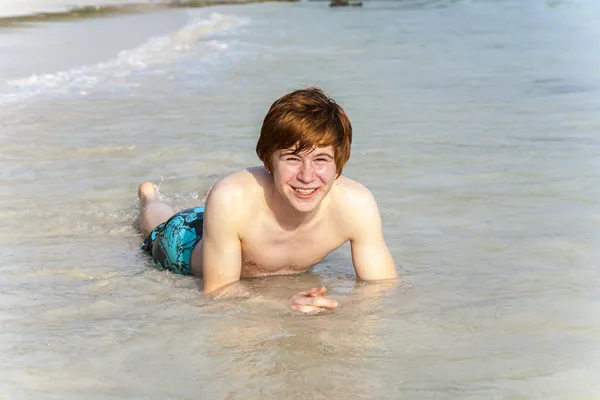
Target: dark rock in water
{"x": 345, "y": 3}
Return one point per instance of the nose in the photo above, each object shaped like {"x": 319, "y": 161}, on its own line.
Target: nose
{"x": 306, "y": 173}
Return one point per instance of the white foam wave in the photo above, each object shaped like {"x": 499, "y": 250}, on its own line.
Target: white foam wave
{"x": 203, "y": 39}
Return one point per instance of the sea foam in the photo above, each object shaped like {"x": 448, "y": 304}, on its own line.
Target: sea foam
{"x": 203, "y": 39}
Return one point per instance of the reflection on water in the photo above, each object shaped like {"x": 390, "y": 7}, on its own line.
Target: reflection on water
{"x": 476, "y": 127}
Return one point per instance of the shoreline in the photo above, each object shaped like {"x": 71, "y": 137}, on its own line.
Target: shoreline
{"x": 108, "y": 10}
{"x": 70, "y": 46}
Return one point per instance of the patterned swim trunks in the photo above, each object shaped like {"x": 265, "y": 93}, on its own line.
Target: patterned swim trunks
{"x": 171, "y": 243}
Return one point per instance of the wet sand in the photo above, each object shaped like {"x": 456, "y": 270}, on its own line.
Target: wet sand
{"x": 103, "y": 10}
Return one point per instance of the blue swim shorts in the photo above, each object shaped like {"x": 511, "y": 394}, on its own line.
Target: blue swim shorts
{"x": 171, "y": 243}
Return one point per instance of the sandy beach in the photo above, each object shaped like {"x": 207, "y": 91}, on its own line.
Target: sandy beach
{"x": 25, "y": 11}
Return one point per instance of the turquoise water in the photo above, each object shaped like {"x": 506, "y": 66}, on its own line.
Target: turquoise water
{"x": 476, "y": 127}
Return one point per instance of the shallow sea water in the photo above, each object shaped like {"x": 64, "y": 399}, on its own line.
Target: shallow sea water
{"x": 476, "y": 127}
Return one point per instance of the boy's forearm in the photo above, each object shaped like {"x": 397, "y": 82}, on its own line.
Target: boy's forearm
{"x": 364, "y": 295}
{"x": 369, "y": 293}
{"x": 239, "y": 289}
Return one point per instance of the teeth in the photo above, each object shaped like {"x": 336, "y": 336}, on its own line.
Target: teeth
{"x": 305, "y": 191}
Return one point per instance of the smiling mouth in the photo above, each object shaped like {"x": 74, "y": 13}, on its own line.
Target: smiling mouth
{"x": 305, "y": 192}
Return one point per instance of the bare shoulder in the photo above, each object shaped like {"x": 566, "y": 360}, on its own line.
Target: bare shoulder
{"x": 237, "y": 191}
{"x": 352, "y": 195}
{"x": 355, "y": 207}
{"x": 237, "y": 186}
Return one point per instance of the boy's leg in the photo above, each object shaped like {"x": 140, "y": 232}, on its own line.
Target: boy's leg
{"x": 153, "y": 212}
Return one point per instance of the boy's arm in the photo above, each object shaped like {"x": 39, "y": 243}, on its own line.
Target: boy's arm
{"x": 370, "y": 254}
{"x": 221, "y": 246}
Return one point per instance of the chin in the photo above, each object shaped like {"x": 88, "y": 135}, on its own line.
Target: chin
{"x": 304, "y": 208}
{"x": 305, "y": 204}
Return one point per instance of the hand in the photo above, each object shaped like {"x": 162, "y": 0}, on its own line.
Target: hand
{"x": 312, "y": 301}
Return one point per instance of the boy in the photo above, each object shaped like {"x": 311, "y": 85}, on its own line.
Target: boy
{"x": 281, "y": 218}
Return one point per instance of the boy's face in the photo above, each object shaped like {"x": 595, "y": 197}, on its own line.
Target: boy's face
{"x": 304, "y": 179}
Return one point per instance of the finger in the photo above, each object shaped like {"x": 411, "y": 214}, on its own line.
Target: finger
{"x": 308, "y": 309}
{"x": 316, "y": 302}
{"x": 311, "y": 292}
{"x": 318, "y": 291}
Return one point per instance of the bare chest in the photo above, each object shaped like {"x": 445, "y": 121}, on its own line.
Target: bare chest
{"x": 283, "y": 253}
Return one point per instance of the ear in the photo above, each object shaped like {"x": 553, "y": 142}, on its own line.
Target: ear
{"x": 266, "y": 168}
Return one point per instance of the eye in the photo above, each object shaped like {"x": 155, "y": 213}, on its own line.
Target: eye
{"x": 322, "y": 159}
{"x": 291, "y": 159}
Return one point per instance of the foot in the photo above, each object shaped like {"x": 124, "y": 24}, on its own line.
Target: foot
{"x": 146, "y": 193}
{"x": 152, "y": 210}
